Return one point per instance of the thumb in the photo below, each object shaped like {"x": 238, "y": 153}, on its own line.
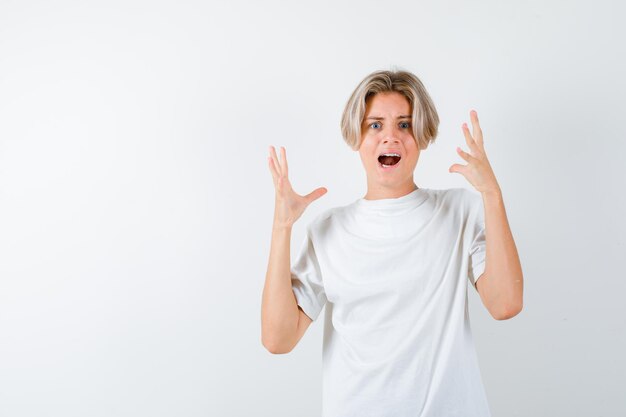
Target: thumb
{"x": 456, "y": 168}
{"x": 315, "y": 194}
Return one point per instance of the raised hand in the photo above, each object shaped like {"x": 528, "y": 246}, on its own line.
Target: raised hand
{"x": 478, "y": 169}
{"x": 289, "y": 205}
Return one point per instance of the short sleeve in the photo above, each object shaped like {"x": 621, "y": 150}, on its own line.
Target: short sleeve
{"x": 478, "y": 247}
{"x": 306, "y": 279}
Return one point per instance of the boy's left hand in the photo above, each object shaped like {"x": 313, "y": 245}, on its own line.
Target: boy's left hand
{"x": 478, "y": 170}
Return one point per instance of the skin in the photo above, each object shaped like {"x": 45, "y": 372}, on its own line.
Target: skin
{"x": 501, "y": 286}
{"x": 478, "y": 169}
{"x": 283, "y": 323}
{"x": 288, "y": 205}
{"x": 387, "y": 124}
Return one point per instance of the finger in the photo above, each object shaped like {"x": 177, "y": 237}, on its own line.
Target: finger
{"x": 471, "y": 143}
{"x": 477, "y": 132}
{"x": 275, "y": 166}
{"x": 315, "y": 194}
{"x": 469, "y": 140}
{"x": 275, "y": 160}
{"x": 464, "y": 154}
{"x": 467, "y": 134}
{"x": 272, "y": 169}
{"x": 283, "y": 154}
{"x": 457, "y": 168}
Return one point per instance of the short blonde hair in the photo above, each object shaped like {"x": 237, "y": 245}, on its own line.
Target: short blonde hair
{"x": 425, "y": 120}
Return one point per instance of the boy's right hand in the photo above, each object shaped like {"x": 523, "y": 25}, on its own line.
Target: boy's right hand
{"x": 289, "y": 205}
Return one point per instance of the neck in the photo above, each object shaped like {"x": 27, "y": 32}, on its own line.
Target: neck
{"x": 379, "y": 192}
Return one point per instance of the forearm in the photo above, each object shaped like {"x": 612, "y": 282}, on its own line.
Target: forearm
{"x": 505, "y": 283}
{"x": 279, "y": 310}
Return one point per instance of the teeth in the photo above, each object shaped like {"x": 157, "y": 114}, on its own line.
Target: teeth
{"x": 390, "y": 154}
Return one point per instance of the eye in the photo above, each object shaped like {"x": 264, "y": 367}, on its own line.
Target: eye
{"x": 405, "y": 125}
{"x": 375, "y": 125}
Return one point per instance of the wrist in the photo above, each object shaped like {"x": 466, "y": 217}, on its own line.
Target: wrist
{"x": 490, "y": 195}
{"x": 279, "y": 226}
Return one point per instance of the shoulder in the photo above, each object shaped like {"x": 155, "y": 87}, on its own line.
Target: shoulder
{"x": 463, "y": 196}
{"x": 448, "y": 194}
{"x": 465, "y": 203}
{"x": 472, "y": 203}
{"x": 458, "y": 193}
{"x": 323, "y": 221}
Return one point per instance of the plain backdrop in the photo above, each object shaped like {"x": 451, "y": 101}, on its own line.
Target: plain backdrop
{"x": 136, "y": 201}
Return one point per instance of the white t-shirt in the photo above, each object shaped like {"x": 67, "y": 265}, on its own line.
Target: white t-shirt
{"x": 393, "y": 274}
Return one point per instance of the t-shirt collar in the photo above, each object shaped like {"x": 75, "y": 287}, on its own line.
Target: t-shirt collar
{"x": 392, "y": 206}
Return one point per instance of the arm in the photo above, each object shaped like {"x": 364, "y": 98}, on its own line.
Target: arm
{"x": 282, "y": 323}
{"x": 501, "y": 286}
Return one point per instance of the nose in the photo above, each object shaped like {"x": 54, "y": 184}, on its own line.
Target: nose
{"x": 391, "y": 136}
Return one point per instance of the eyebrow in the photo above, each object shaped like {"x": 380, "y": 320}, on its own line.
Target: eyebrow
{"x": 382, "y": 118}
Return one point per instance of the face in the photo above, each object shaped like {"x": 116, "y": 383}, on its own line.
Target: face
{"x": 387, "y": 129}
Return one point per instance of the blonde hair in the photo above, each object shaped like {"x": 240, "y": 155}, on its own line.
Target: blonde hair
{"x": 425, "y": 120}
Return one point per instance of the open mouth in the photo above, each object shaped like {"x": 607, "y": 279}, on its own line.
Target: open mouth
{"x": 387, "y": 160}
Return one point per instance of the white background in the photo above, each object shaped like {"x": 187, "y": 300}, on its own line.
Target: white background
{"x": 136, "y": 201}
